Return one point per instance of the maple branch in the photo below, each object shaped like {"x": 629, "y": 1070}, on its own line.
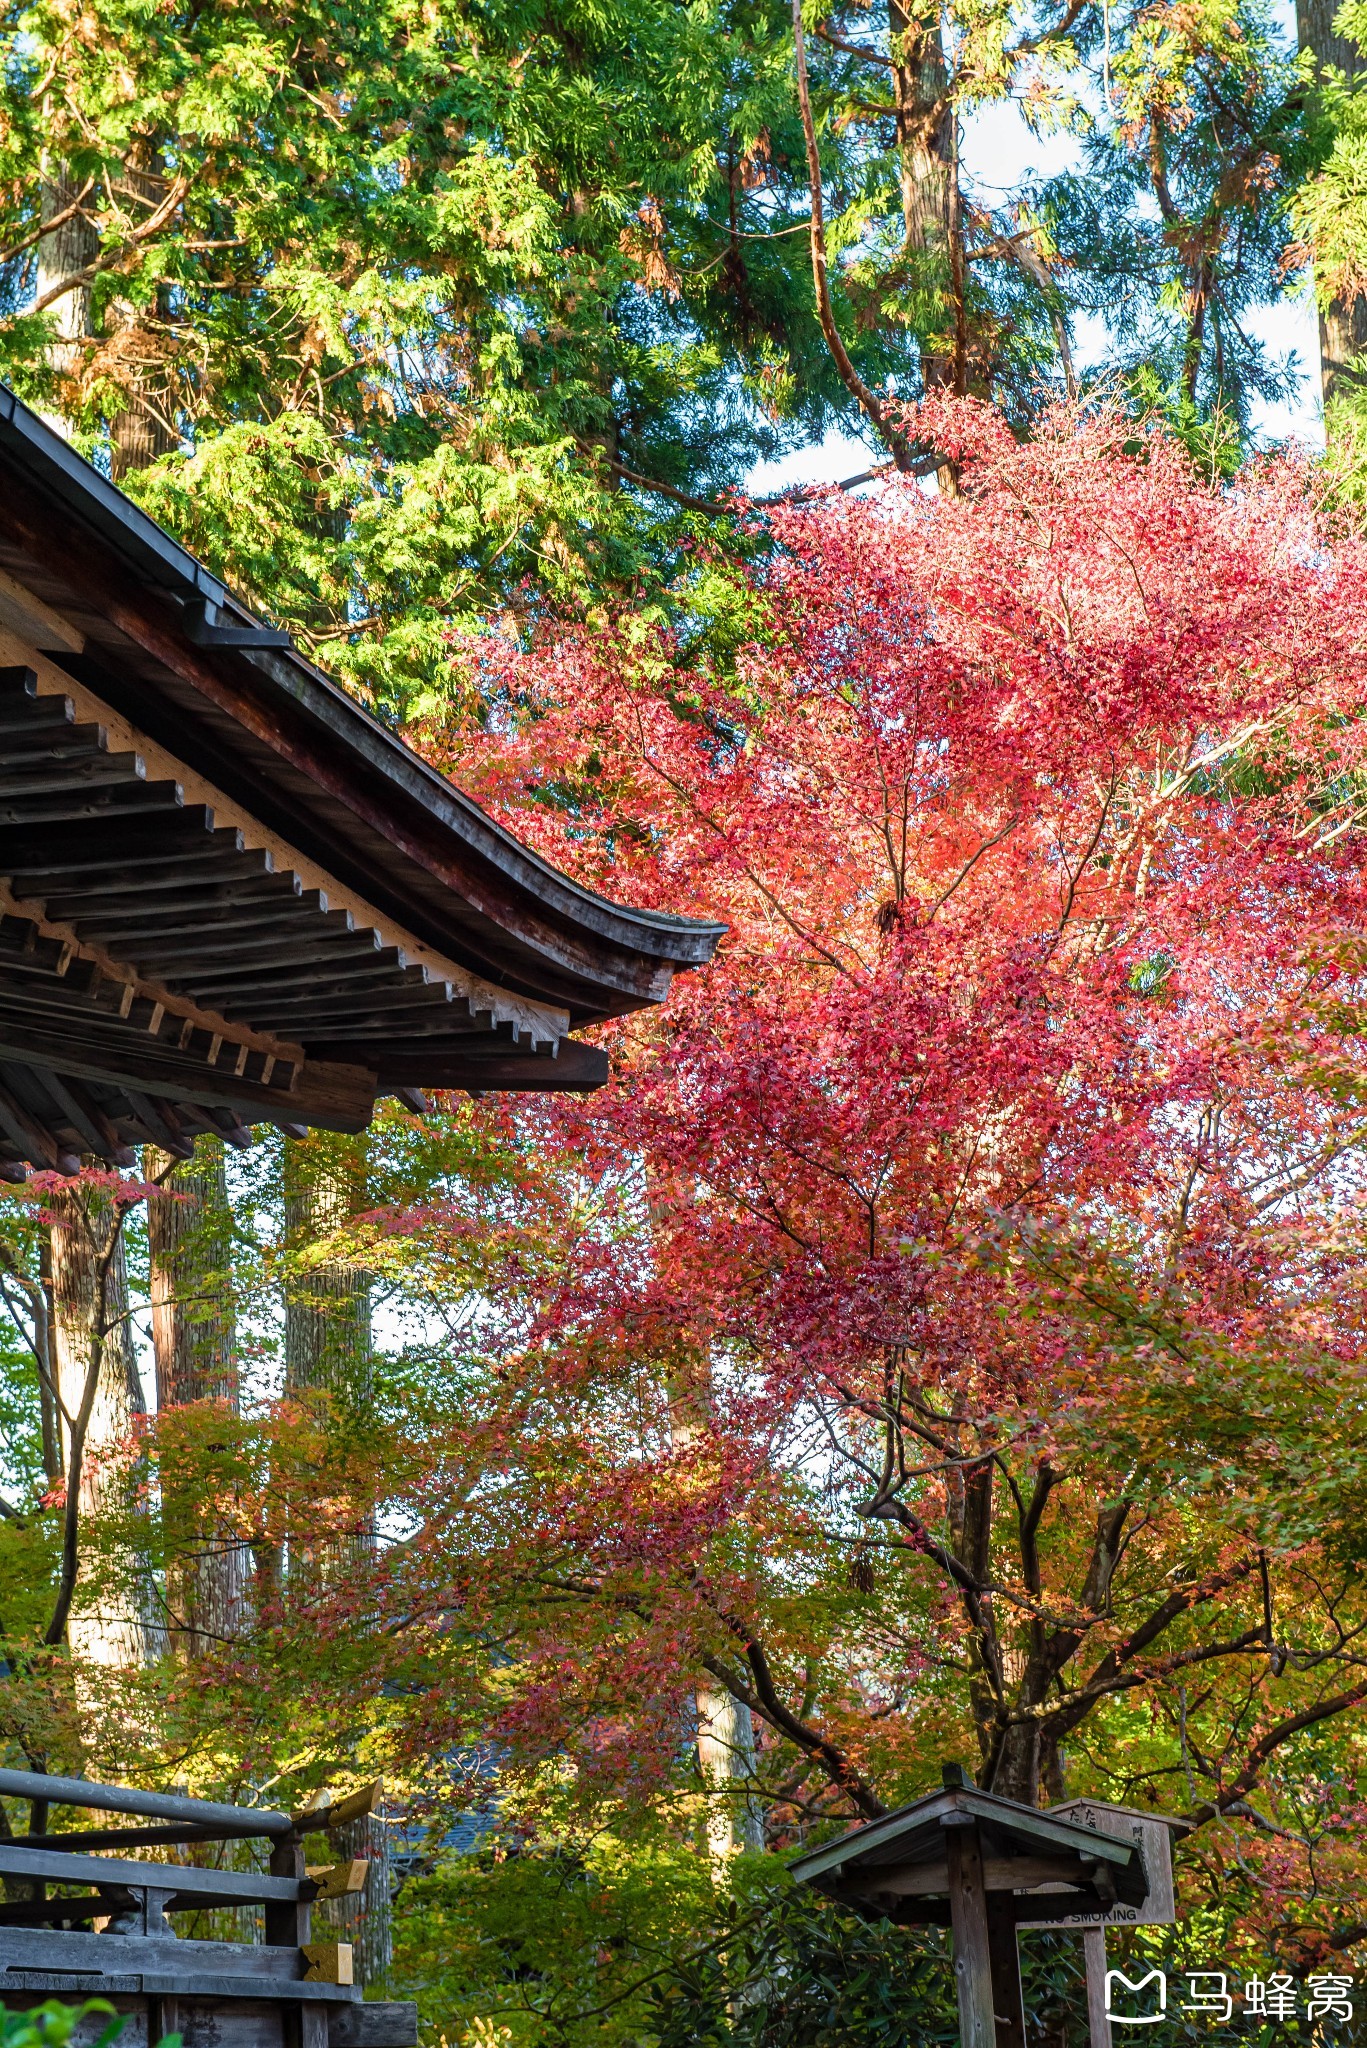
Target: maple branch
{"x": 1280, "y": 1732}
{"x": 967, "y": 869}
{"x": 1109, "y": 1675}
{"x": 762, "y": 1698}
{"x": 680, "y": 790}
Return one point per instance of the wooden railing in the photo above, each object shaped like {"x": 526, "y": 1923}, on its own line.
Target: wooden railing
{"x": 97, "y": 1922}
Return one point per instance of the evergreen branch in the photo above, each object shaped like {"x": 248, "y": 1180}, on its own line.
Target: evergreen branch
{"x": 869, "y": 403}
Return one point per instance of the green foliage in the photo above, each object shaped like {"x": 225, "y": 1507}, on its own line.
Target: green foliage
{"x": 52, "y": 2024}
{"x": 557, "y": 1943}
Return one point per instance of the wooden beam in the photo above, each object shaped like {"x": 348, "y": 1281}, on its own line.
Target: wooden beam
{"x": 160, "y": 1119}
{"x": 88, "y": 1796}
{"x": 113, "y": 805}
{"x": 32, "y": 1138}
{"x": 1098, "y": 2016}
{"x": 153, "y": 924}
{"x": 1000, "y": 1874}
{"x": 83, "y": 1839}
{"x": 31, "y": 780}
{"x": 576, "y": 1069}
{"x": 972, "y": 1953}
{"x": 187, "y": 832}
{"x": 332, "y": 1094}
{"x": 109, "y": 1872}
{"x": 87, "y": 1119}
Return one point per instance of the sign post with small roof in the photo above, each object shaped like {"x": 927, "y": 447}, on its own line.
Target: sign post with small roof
{"x": 987, "y": 1866}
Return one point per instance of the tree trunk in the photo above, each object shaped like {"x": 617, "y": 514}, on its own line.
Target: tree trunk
{"x": 929, "y": 186}
{"x": 63, "y": 253}
{"x": 141, "y": 432}
{"x": 1343, "y": 326}
{"x": 48, "y": 1414}
{"x": 327, "y": 1302}
{"x": 328, "y": 1350}
{"x": 726, "y": 1730}
{"x": 726, "y": 1758}
{"x": 114, "y": 1619}
{"x": 189, "y": 1233}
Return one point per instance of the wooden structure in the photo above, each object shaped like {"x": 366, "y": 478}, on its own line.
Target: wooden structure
{"x": 228, "y": 895}
{"x": 96, "y": 1925}
{"x": 985, "y": 1866}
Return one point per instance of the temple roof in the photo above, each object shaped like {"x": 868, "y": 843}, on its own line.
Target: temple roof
{"x": 228, "y": 894}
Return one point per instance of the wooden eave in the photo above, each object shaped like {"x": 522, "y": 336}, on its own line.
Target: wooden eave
{"x": 229, "y": 894}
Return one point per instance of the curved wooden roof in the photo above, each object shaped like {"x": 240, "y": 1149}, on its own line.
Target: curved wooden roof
{"x": 227, "y": 892}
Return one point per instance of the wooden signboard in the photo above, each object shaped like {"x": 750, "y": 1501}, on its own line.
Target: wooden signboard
{"x": 1153, "y": 1837}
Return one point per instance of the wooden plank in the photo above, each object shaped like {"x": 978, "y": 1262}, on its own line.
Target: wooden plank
{"x": 972, "y": 1953}
{"x": 301, "y": 1991}
{"x": 1008, "y": 2003}
{"x": 17, "y": 1860}
{"x": 373, "y": 2023}
{"x": 85, "y": 1793}
{"x": 134, "y": 1954}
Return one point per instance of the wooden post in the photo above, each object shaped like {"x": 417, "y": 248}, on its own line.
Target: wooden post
{"x": 1094, "y": 1948}
{"x": 287, "y": 1924}
{"x": 968, "y": 1920}
{"x": 1008, "y": 2003}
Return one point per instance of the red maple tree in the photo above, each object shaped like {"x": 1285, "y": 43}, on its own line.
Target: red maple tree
{"x": 969, "y": 1354}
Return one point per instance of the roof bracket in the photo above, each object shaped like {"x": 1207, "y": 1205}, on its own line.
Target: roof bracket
{"x": 202, "y": 626}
